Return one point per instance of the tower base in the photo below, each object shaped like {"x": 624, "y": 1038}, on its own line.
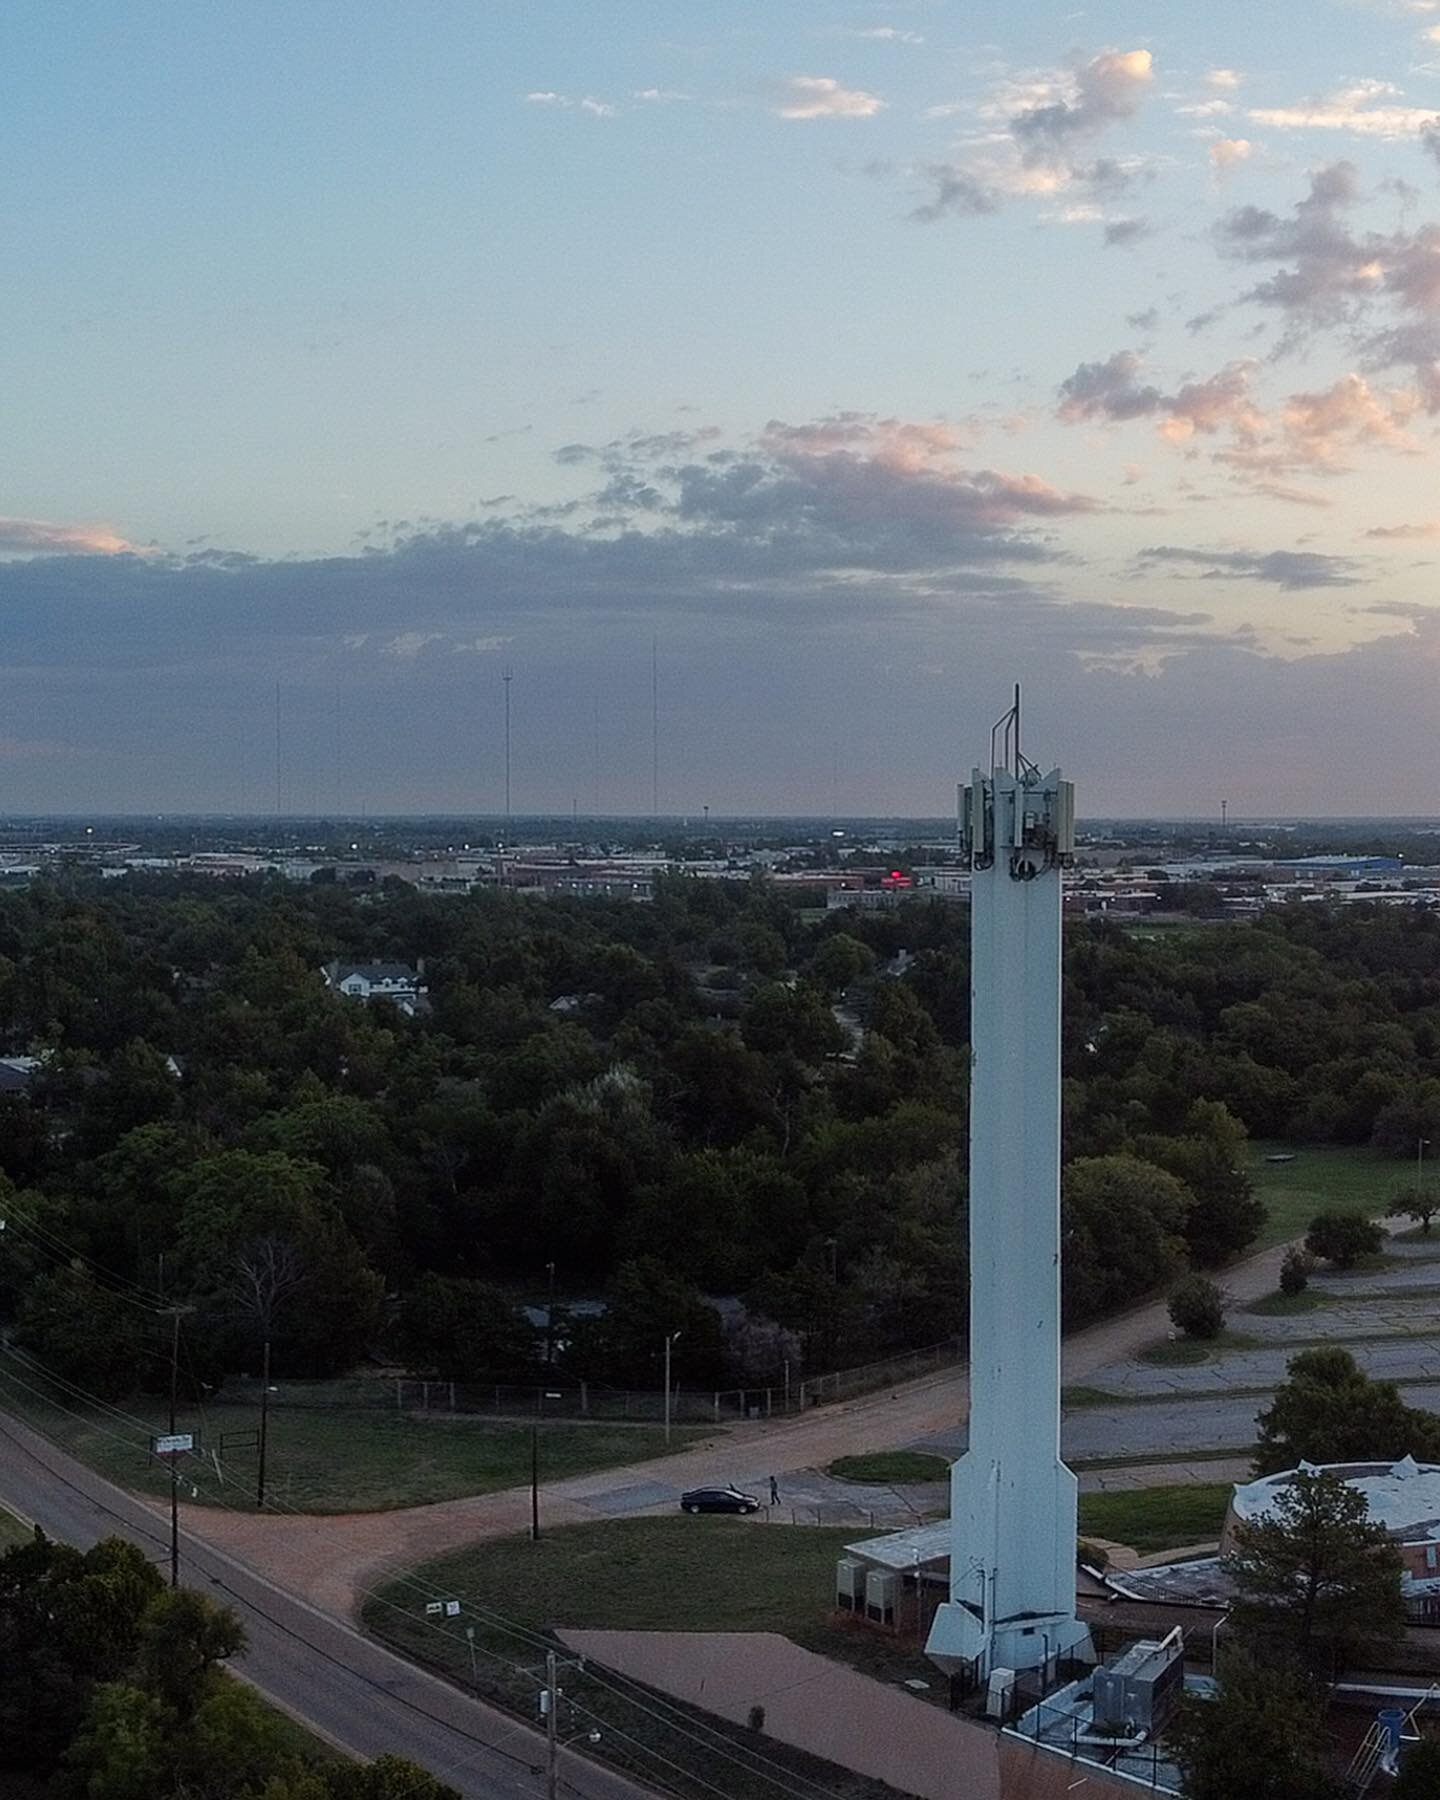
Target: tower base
{"x": 959, "y": 1642}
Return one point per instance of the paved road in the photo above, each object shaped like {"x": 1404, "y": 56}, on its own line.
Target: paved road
{"x": 332, "y": 1561}
{"x": 343, "y": 1686}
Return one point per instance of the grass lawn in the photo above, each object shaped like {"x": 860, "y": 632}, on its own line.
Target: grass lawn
{"x": 1163, "y": 1518}
{"x": 12, "y": 1531}
{"x": 338, "y": 1459}
{"x": 1283, "y": 1306}
{"x": 1322, "y": 1178}
{"x": 890, "y": 1468}
{"x": 1185, "y": 1353}
{"x": 673, "y": 1573}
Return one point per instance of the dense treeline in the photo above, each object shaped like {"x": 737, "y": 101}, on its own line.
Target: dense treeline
{"x": 111, "y": 1688}
{"x": 716, "y": 1094}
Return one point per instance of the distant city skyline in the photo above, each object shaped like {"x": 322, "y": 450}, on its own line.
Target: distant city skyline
{"x": 766, "y": 389}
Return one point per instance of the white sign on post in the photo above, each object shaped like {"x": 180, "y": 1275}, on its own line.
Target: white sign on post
{"x": 452, "y": 1609}
{"x": 175, "y": 1444}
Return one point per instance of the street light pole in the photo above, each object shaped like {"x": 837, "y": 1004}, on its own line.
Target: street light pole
{"x": 264, "y": 1425}
{"x": 1420, "y": 1144}
{"x": 670, "y": 1338}
{"x": 550, "y": 1317}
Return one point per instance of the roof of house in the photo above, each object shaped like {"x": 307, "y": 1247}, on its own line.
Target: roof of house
{"x": 372, "y": 972}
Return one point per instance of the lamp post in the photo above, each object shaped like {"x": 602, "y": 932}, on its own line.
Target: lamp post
{"x": 550, "y": 1316}
{"x": 1420, "y": 1144}
{"x": 670, "y": 1338}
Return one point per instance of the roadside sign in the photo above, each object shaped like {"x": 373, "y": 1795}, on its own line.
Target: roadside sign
{"x": 432, "y": 1607}
{"x": 176, "y": 1444}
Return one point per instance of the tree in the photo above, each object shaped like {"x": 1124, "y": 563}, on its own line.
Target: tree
{"x": 1197, "y": 1307}
{"x": 1295, "y": 1269}
{"x": 387, "y": 1778}
{"x": 1343, "y": 1238}
{"x": 1419, "y": 1777}
{"x": 1258, "y": 1739}
{"x": 1328, "y": 1411}
{"x": 121, "y": 1750}
{"x": 1314, "y": 1572}
{"x": 183, "y": 1636}
{"x": 68, "y": 1621}
{"x": 464, "y": 1330}
{"x": 840, "y": 961}
{"x": 85, "y": 1333}
{"x": 1420, "y": 1204}
{"x": 1120, "y": 1221}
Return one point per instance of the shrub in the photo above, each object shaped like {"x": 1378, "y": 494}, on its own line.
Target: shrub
{"x": 1197, "y": 1307}
{"x": 1343, "y": 1238}
{"x": 1295, "y": 1271}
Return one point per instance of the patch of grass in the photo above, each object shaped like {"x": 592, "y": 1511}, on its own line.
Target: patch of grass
{"x": 890, "y": 1468}
{"x": 1322, "y": 1178}
{"x": 1284, "y": 1306}
{"x": 1185, "y": 1353}
{"x": 673, "y": 1573}
{"x": 12, "y": 1531}
{"x": 1073, "y": 1397}
{"x": 1162, "y": 1459}
{"x": 335, "y": 1459}
{"x": 1161, "y": 1518}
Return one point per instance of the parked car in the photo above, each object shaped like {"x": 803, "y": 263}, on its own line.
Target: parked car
{"x": 718, "y": 1500}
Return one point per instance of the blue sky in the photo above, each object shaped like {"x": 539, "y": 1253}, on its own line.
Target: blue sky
{"x": 858, "y": 358}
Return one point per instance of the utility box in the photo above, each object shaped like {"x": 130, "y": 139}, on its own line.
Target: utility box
{"x": 882, "y": 1596}
{"x": 1139, "y": 1690}
{"x": 999, "y": 1692}
{"x": 850, "y": 1575}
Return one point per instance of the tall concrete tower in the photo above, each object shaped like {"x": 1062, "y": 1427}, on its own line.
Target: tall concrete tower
{"x": 1012, "y": 1500}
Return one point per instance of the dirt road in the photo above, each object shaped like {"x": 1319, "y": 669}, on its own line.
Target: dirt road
{"x": 332, "y": 1560}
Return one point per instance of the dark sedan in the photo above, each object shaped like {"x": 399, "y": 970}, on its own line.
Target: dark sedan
{"x": 718, "y": 1500}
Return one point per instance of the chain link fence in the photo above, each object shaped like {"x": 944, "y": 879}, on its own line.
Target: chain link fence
{"x": 406, "y": 1393}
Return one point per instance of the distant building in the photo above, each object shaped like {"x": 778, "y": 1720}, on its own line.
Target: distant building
{"x": 1403, "y": 1496}
{"x": 395, "y": 982}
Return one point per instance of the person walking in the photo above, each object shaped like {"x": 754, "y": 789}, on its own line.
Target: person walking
{"x": 774, "y": 1491}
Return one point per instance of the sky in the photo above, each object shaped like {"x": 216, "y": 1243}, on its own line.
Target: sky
{"x": 789, "y": 377}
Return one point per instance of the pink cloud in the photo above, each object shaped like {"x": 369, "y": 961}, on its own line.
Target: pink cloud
{"x": 39, "y": 537}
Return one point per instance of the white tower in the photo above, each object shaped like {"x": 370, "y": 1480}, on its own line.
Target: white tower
{"x": 1012, "y": 1500}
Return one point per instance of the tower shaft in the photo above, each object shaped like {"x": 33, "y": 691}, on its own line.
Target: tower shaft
{"x": 1013, "y": 1501}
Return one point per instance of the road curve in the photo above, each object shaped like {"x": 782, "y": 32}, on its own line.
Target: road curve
{"x": 344, "y": 1687}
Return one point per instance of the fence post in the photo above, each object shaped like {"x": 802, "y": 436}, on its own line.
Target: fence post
{"x": 717, "y": 1407}
{"x": 585, "y": 1399}
{"x": 399, "y": 1395}
{"x": 424, "y": 1396}
{"x": 767, "y": 1403}
{"x": 452, "y": 1396}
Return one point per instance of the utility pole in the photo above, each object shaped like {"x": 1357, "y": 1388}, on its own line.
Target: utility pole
{"x": 535, "y": 1466}
{"x": 1224, "y": 817}
{"x": 264, "y": 1425}
{"x": 550, "y": 1316}
{"x": 669, "y": 1341}
{"x": 1420, "y": 1144}
{"x": 552, "y": 1729}
{"x": 176, "y": 1313}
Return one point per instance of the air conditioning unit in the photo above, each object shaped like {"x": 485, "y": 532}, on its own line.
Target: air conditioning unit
{"x": 882, "y": 1596}
{"x": 850, "y": 1584}
{"x": 998, "y": 1692}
